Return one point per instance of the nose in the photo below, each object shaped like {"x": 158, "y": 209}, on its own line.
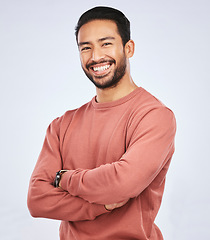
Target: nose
{"x": 97, "y": 54}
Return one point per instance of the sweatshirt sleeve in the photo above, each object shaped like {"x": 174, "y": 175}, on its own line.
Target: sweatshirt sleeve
{"x": 150, "y": 147}
{"x": 44, "y": 200}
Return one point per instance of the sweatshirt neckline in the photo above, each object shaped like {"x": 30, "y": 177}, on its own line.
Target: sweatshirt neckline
{"x": 116, "y": 102}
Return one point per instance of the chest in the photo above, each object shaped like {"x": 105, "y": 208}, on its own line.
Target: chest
{"x": 94, "y": 138}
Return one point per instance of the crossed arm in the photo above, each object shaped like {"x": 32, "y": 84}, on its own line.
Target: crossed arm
{"x": 85, "y": 192}
{"x": 150, "y": 148}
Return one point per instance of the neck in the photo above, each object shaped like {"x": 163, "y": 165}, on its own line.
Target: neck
{"x": 123, "y": 88}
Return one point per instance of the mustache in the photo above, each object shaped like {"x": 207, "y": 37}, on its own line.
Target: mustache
{"x": 88, "y": 65}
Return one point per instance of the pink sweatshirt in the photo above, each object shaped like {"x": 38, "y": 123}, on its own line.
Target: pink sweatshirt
{"x": 115, "y": 151}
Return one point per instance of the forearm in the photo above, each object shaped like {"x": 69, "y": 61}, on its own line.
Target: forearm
{"x": 111, "y": 183}
{"x": 44, "y": 200}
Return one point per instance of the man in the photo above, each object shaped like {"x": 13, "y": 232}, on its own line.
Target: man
{"x": 112, "y": 154}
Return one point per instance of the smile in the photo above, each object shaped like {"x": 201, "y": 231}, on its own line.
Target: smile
{"x": 101, "y": 68}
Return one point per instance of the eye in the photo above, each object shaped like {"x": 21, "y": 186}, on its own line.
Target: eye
{"x": 84, "y": 49}
{"x": 106, "y": 44}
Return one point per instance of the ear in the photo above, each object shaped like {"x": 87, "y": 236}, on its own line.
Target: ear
{"x": 129, "y": 48}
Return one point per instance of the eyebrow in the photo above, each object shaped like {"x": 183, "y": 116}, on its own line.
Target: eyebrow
{"x": 106, "y": 38}
{"x": 83, "y": 43}
{"x": 99, "y": 40}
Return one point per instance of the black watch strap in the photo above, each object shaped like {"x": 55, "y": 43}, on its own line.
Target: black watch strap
{"x": 58, "y": 178}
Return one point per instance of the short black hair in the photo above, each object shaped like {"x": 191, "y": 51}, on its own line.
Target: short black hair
{"x": 106, "y": 13}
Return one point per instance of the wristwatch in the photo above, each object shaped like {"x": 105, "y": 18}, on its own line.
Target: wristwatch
{"x": 58, "y": 177}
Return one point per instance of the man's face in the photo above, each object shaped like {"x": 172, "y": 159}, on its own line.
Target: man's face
{"x": 102, "y": 53}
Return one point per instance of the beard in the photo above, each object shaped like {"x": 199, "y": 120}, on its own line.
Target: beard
{"x": 112, "y": 81}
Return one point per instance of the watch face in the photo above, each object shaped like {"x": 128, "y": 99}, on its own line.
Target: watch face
{"x": 57, "y": 177}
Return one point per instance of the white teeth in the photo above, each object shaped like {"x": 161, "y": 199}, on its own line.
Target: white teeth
{"x": 100, "y": 69}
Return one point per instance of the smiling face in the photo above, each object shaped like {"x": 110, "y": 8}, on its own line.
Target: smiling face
{"x": 102, "y": 53}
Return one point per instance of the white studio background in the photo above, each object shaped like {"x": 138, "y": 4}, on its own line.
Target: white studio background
{"x": 41, "y": 78}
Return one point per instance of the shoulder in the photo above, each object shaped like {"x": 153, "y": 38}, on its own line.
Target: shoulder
{"x": 145, "y": 102}
{"x": 149, "y": 110}
{"x": 61, "y": 123}
{"x": 144, "y": 99}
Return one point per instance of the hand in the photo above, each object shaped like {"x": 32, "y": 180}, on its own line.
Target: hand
{"x": 111, "y": 207}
